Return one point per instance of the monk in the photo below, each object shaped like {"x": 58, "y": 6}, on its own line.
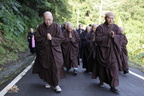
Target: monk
{"x": 124, "y": 52}
{"x": 64, "y": 27}
{"x": 85, "y": 49}
{"x": 70, "y": 48}
{"x": 49, "y": 59}
{"x": 91, "y": 49}
{"x": 108, "y": 38}
{"x": 81, "y": 33}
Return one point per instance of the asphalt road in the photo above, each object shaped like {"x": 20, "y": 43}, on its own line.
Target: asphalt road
{"x": 80, "y": 85}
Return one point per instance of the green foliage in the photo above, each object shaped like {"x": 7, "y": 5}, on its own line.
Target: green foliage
{"x": 141, "y": 55}
{"x": 132, "y": 17}
{"x": 10, "y": 22}
{"x": 2, "y": 50}
{"x": 128, "y": 13}
{"x": 17, "y": 16}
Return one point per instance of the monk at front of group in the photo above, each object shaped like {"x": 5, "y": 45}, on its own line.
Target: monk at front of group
{"x": 49, "y": 59}
{"x": 108, "y": 38}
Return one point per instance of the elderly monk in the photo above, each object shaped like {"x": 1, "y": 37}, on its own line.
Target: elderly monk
{"x": 70, "y": 48}
{"x": 91, "y": 48}
{"x": 49, "y": 59}
{"x": 124, "y": 52}
{"x": 108, "y": 39}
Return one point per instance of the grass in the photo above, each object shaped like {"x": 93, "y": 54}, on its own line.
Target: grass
{"x": 137, "y": 66}
{"x": 11, "y": 48}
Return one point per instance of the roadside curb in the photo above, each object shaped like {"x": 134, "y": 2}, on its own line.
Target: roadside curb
{"x": 12, "y": 71}
{"x": 137, "y": 66}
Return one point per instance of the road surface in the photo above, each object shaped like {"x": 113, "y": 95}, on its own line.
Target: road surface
{"x": 80, "y": 85}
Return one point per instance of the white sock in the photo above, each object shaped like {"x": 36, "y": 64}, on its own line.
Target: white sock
{"x": 75, "y": 68}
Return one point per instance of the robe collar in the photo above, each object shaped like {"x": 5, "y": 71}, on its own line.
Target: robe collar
{"x": 107, "y": 24}
{"x": 46, "y": 25}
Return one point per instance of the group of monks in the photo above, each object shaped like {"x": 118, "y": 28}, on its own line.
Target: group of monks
{"x": 102, "y": 49}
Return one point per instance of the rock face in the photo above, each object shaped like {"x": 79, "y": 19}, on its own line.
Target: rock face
{"x": 13, "y": 68}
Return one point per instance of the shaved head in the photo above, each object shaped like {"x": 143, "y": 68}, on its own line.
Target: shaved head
{"x": 48, "y": 18}
{"x": 65, "y": 24}
{"x": 80, "y": 26}
{"x": 31, "y": 30}
{"x": 69, "y": 26}
{"x": 109, "y": 18}
{"x": 94, "y": 26}
{"x": 121, "y": 29}
{"x": 88, "y": 28}
{"x": 47, "y": 13}
{"x": 108, "y": 14}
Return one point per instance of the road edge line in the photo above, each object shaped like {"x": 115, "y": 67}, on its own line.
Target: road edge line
{"x": 137, "y": 75}
{"x": 14, "y": 81}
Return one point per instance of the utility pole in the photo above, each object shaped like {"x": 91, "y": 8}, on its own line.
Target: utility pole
{"x": 100, "y": 11}
{"x": 78, "y": 12}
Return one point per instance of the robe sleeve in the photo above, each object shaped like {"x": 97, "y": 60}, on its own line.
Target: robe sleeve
{"x": 75, "y": 39}
{"x": 100, "y": 38}
{"x": 118, "y": 39}
{"x": 66, "y": 38}
{"x": 125, "y": 41}
{"x": 57, "y": 40}
{"x": 40, "y": 37}
{"x": 87, "y": 39}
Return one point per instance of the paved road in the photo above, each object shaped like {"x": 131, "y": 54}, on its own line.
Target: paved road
{"x": 80, "y": 85}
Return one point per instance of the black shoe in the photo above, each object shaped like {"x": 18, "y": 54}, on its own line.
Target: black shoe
{"x": 125, "y": 71}
{"x": 67, "y": 70}
{"x": 75, "y": 72}
{"x": 114, "y": 90}
{"x": 86, "y": 71}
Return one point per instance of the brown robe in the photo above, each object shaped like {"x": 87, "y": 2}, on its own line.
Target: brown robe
{"x": 85, "y": 52}
{"x": 70, "y": 49}
{"x": 49, "y": 59}
{"x": 108, "y": 57}
{"x": 124, "y": 53}
{"x": 91, "y": 51}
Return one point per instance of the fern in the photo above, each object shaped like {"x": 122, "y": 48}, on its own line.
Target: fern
{"x": 15, "y": 5}
{"x": 141, "y": 55}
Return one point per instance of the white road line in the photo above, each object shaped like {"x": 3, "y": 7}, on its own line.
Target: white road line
{"x": 6, "y": 89}
{"x": 137, "y": 75}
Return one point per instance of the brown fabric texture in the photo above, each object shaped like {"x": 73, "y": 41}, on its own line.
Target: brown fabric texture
{"x": 108, "y": 54}
{"x": 49, "y": 59}
{"x": 70, "y": 48}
